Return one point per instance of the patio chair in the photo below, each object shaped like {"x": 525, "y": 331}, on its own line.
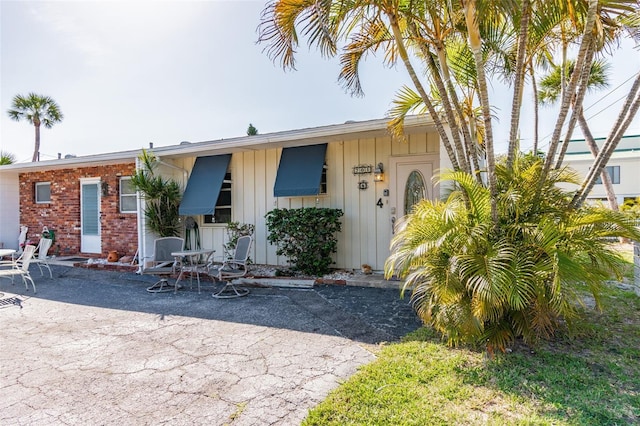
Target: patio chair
{"x": 233, "y": 268}
{"x": 21, "y": 267}
{"x": 22, "y": 238}
{"x": 41, "y": 259}
{"x": 162, "y": 263}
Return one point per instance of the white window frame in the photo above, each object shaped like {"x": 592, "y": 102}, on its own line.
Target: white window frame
{"x": 614, "y": 175}
{"x": 121, "y": 195}
{"x": 38, "y": 184}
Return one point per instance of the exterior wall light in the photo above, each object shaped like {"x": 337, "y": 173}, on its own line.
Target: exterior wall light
{"x": 378, "y": 173}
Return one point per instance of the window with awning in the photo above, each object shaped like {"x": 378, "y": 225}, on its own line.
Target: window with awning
{"x": 203, "y": 188}
{"x": 300, "y": 171}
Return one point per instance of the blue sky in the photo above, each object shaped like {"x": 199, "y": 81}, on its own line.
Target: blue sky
{"x": 126, "y": 73}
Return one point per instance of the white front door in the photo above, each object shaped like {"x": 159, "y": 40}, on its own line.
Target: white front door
{"x": 411, "y": 180}
{"x": 90, "y": 216}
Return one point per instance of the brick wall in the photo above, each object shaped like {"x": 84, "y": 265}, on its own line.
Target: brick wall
{"x": 119, "y": 231}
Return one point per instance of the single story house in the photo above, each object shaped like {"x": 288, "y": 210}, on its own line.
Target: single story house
{"x": 89, "y": 204}
{"x": 623, "y": 167}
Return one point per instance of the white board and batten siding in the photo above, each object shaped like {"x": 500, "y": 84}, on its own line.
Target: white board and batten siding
{"x": 366, "y": 228}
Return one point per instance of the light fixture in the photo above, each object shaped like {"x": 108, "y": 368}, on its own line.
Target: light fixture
{"x": 378, "y": 173}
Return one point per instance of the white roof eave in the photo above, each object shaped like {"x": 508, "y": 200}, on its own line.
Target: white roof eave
{"x": 300, "y": 137}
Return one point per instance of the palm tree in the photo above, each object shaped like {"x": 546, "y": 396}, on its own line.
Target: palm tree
{"x": 7, "y": 158}
{"x": 37, "y": 110}
{"x": 478, "y": 284}
{"x": 528, "y": 237}
{"x": 162, "y": 197}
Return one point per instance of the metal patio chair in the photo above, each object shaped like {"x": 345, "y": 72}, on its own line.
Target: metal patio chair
{"x": 162, "y": 264}
{"x": 233, "y": 268}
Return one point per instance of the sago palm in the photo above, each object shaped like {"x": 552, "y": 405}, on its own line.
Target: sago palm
{"x": 484, "y": 284}
{"x": 162, "y": 197}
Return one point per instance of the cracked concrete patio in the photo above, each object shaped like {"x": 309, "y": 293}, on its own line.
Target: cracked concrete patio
{"x": 94, "y": 347}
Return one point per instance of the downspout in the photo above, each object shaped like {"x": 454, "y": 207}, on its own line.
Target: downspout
{"x": 142, "y": 223}
{"x": 141, "y": 226}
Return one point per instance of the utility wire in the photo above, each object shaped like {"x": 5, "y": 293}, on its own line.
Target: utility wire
{"x": 546, "y": 145}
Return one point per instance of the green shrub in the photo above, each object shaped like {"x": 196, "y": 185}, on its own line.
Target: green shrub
{"x": 307, "y": 236}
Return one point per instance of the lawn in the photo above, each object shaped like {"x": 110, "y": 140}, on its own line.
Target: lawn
{"x": 588, "y": 377}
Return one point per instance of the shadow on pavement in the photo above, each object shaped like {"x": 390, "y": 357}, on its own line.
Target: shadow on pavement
{"x": 367, "y": 315}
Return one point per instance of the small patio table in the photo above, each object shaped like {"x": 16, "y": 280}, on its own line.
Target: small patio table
{"x": 193, "y": 263}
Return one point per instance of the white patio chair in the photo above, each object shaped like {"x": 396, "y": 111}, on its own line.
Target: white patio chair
{"x": 162, "y": 263}
{"x": 232, "y": 269}
{"x": 21, "y": 267}
{"x": 22, "y": 238}
{"x": 41, "y": 259}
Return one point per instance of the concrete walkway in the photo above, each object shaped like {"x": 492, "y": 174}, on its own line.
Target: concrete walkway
{"x": 93, "y": 347}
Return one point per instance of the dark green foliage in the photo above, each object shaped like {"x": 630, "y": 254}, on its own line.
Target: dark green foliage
{"x": 162, "y": 198}
{"x": 307, "y": 236}
{"x": 251, "y": 130}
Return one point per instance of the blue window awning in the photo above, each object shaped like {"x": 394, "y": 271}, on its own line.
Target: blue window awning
{"x": 204, "y": 185}
{"x": 300, "y": 171}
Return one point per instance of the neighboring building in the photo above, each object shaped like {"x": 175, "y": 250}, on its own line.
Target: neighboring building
{"x": 85, "y": 201}
{"x": 241, "y": 179}
{"x": 623, "y": 167}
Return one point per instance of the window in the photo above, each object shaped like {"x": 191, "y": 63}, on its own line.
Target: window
{"x": 128, "y": 199}
{"x": 614, "y": 174}
{"x": 43, "y": 192}
{"x": 323, "y": 180}
{"x": 223, "y": 204}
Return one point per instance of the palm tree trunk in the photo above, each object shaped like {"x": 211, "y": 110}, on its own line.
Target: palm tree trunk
{"x": 604, "y": 176}
{"x": 468, "y": 135}
{"x": 625, "y": 118}
{"x": 475, "y": 43}
{"x": 456, "y": 126}
{"x": 536, "y": 110}
{"x": 577, "y": 104}
{"x": 36, "y": 149}
{"x": 519, "y": 82}
{"x": 587, "y": 37}
{"x": 402, "y": 51}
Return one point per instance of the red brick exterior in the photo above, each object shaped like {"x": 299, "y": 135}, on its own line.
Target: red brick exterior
{"x": 119, "y": 231}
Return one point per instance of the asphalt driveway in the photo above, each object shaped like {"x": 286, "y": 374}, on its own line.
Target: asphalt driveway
{"x": 93, "y": 347}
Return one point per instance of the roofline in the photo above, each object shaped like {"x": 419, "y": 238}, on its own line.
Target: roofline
{"x": 603, "y": 138}
{"x": 310, "y": 136}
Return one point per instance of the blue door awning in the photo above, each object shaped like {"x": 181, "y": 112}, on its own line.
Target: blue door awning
{"x": 300, "y": 171}
{"x": 204, "y": 185}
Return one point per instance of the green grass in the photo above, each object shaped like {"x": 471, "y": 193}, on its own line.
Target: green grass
{"x": 588, "y": 377}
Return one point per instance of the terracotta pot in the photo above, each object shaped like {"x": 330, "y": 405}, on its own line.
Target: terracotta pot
{"x": 113, "y": 256}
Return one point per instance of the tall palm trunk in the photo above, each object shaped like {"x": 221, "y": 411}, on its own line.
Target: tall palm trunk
{"x": 519, "y": 82}
{"x": 475, "y": 43}
{"x": 577, "y": 103}
{"x": 402, "y": 51}
{"x": 536, "y": 109}
{"x": 587, "y": 37}
{"x": 604, "y": 176}
{"x": 625, "y": 118}
{"x": 36, "y": 149}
